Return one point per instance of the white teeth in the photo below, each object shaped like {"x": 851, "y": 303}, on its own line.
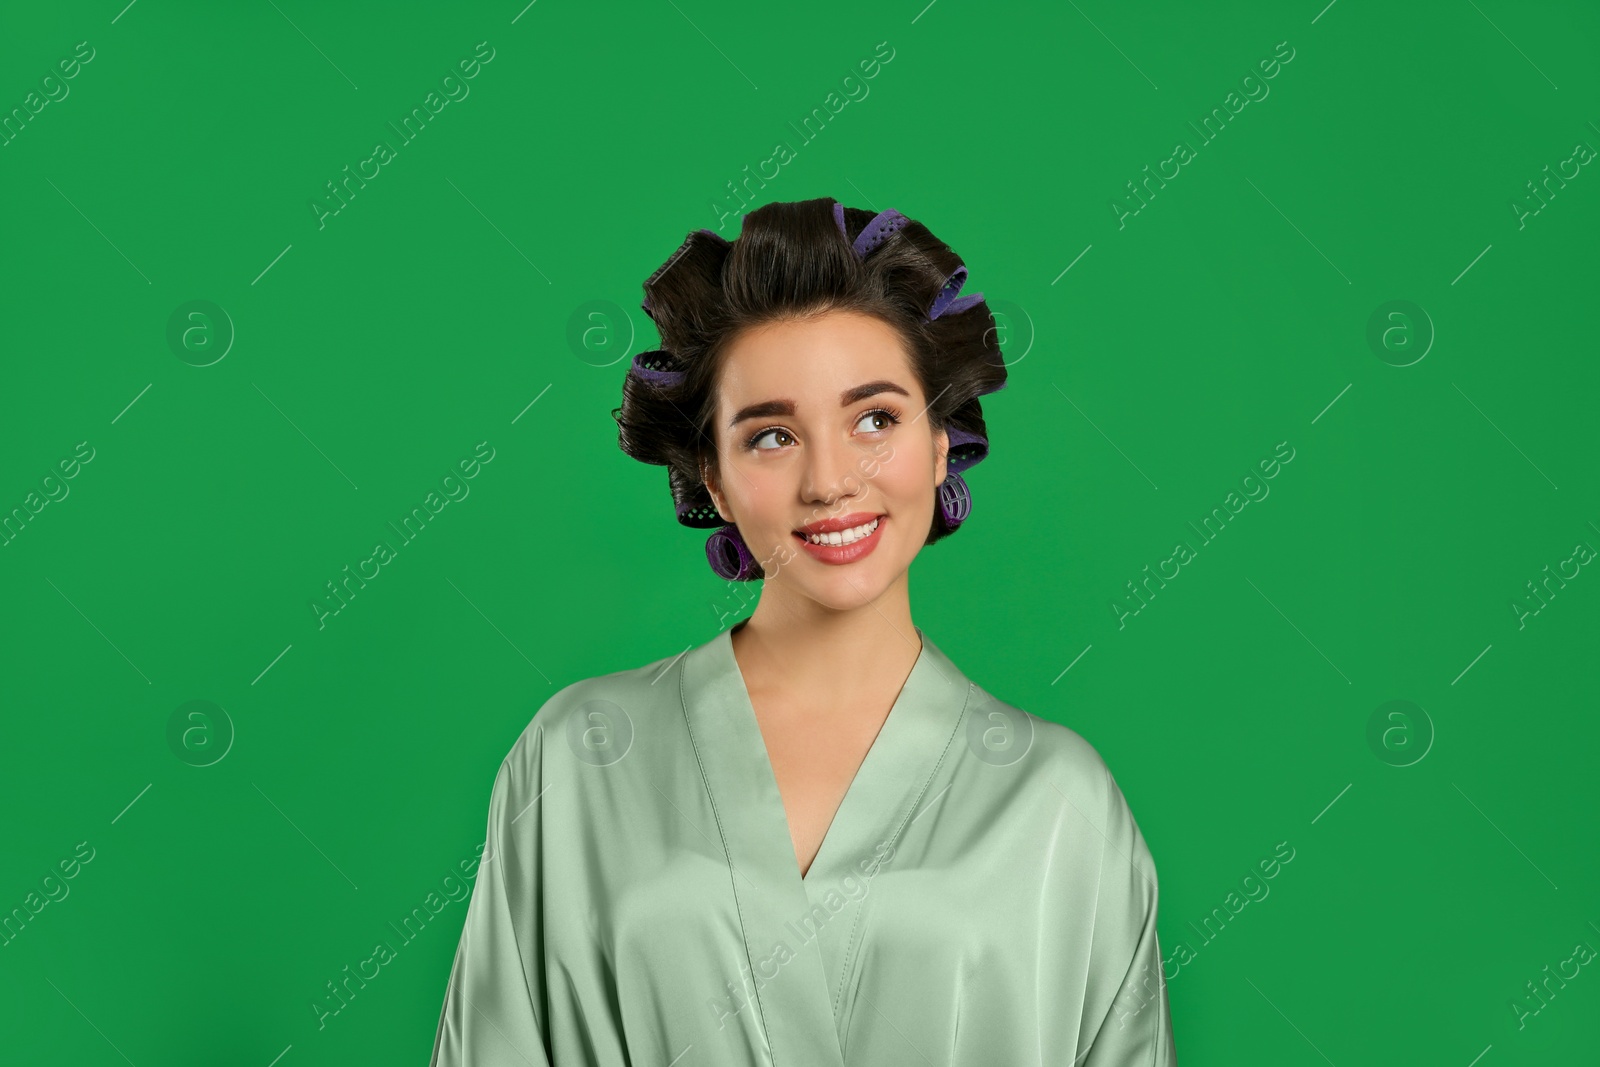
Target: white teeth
{"x": 843, "y": 537}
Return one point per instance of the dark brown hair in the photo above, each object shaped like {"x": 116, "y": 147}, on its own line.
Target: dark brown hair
{"x": 791, "y": 261}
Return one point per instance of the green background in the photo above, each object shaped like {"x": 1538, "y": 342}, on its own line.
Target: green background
{"x": 437, "y": 309}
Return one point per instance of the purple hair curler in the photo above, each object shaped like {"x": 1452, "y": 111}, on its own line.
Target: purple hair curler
{"x": 947, "y": 301}
{"x": 878, "y": 230}
{"x": 654, "y": 367}
{"x": 955, "y": 500}
{"x": 729, "y": 556}
{"x": 965, "y": 449}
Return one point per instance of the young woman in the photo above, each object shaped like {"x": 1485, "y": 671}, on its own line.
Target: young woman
{"x": 810, "y": 841}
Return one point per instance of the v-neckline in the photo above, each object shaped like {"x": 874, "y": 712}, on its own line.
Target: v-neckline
{"x": 884, "y": 740}
{"x": 797, "y": 978}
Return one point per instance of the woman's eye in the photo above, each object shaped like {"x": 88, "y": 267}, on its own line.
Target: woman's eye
{"x": 755, "y": 442}
{"x": 883, "y": 417}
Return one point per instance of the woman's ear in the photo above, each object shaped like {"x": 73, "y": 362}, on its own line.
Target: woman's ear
{"x": 941, "y": 444}
{"x": 710, "y": 479}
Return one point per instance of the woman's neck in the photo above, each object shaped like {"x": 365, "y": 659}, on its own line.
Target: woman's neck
{"x": 818, "y": 654}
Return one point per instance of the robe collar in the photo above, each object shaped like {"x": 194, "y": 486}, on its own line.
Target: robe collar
{"x": 795, "y": 984}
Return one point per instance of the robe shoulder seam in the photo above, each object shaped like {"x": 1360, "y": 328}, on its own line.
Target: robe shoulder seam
{"x": 619, "y": 687}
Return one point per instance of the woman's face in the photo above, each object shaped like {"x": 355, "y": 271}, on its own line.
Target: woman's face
{"x": 821, "y": 425}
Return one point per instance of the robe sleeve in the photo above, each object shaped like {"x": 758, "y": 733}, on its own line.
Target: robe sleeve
{"x": 1136, "y": 1030}
{"x": 496, "y": 1005}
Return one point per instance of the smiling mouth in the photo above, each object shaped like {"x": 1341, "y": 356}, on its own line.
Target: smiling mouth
{"x": 842, "y": 537}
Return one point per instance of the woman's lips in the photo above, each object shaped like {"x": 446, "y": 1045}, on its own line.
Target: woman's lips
{"x": 840, "y": 554}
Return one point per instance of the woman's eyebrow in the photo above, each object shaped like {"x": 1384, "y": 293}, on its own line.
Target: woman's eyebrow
{"x": 786, "y": 407}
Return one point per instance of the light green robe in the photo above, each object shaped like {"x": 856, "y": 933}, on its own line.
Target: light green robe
{"x": 983, "y": 896}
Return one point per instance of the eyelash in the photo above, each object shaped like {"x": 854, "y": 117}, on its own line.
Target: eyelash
{"x": 889, "y": 413}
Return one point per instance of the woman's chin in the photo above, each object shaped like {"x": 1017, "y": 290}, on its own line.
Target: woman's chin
{"x": 847, "y": 588}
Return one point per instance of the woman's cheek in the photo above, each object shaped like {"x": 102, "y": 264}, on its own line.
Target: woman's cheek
{"x": 902, "y": 480}
{"x": 766, "y": 512}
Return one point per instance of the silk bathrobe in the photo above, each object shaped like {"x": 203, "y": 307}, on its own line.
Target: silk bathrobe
{"x": 982, "y": 897}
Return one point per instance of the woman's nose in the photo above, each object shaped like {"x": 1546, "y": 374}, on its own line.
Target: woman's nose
{"x": 831, "y": 473}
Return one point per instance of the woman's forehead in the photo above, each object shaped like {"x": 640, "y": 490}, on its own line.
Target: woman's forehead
{"x": 812, "y": 361}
